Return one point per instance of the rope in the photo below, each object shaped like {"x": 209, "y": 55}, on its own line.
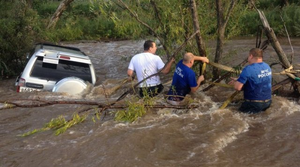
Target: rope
{"x": 289, "y": 72}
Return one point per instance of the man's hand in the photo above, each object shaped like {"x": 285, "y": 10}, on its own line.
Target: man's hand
{"x": 200, "y": 79}
{"x": 172, "y": 60}
{"x": 131, "y": 78}
{"x": 233, "y": 80}
{"x": 130, "y": 74}
{"x": 205, "y": 60}
{"x": 236, "y": 84}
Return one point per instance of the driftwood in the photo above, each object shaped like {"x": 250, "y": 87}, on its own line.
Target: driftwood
{"x": 30, "y": 103}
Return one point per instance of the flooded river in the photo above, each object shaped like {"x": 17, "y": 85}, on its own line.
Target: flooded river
{"x": 164, "y": 137}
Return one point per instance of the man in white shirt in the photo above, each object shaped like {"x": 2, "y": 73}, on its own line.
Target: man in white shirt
{"x": 146, "y": 64}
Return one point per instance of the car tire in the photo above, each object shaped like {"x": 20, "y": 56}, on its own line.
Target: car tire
{"x": 70, "y": 85}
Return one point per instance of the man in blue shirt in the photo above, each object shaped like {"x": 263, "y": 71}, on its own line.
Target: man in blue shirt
{"x": 184, "y": 79}
{"x": 255, "y": 80}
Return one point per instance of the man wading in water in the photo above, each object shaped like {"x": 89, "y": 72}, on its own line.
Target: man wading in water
{"x": 184, "y": 79}
{"x": 255, "y": 80}
{"x": 146, "y": 64}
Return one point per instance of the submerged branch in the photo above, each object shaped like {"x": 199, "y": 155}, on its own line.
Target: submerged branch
{"x": 42, "y": 103}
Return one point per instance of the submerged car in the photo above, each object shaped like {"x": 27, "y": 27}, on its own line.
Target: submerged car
{"x": 56, "y": 68}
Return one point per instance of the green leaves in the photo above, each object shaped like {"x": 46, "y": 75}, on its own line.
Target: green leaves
{"x": 136, "y": 108}
{"x": 132, "y": 113}
{"x": 59, "y": 124}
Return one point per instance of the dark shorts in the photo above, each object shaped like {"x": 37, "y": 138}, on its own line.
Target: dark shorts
{"x": 254, "y": 107}
{"x": 151, "y": 91}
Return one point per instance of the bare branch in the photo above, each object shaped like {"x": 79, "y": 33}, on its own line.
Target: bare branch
{"x": 133, "y": 14}
{"x": 156, "y": 11}
{"x": 61, "y": 8}
{"x": 30, "y": 103}
{"x": 292, "y": 56}
{"x": 229, "y": 11}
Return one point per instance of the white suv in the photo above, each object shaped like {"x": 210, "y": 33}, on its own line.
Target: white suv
{"x": 56, "y": 68}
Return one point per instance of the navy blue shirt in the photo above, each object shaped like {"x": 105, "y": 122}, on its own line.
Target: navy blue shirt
{"x": 257, "y": 79}
{"x": 183, "y": 79}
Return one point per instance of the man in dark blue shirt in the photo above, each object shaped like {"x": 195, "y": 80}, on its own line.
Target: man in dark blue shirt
{"x": 184, "y": 79}
{"x": 255, "y": 80}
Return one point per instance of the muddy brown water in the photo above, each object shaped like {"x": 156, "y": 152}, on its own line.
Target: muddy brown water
{"x": 203, "y": 136}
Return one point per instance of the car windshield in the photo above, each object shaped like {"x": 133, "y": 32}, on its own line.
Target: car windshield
{"x": 61, "y": 70}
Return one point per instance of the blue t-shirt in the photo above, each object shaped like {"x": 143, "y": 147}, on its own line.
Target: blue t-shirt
{"x": 257, "y": 80}
{"x": 183, "y": 79}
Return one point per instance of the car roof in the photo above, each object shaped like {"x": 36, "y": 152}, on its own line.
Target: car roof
{"x": 50, "y": 46}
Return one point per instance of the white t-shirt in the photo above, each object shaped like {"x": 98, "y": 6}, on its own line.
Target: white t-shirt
{"x": 146, "y": 64}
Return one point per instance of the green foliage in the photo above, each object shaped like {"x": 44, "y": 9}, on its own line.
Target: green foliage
{"x": 69, "y": 31}
{"x": 165, "y": 22}
{"x": 97, "y": 116}
{"x": 136, "y": 108}
{"x": 273, "y": 11}
{"x": 170, "y": 20}
{"x": 233, "y": 28}
{"x": 291, "y": 19}
{"x": 17, "y": 34}
{"x": 270, "y": 4}
{"x": 44, "y": 8}
{"x": 62, "y": 125}
{"x": 59, "y": 124}
{"x": 133, "y": 112}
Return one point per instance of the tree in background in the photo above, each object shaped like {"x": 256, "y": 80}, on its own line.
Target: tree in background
{"x": 222, "y": 19}
{"x": 61, "y": 8}
{"x": 17, "y": 34}
{"x": 169, "y": 22}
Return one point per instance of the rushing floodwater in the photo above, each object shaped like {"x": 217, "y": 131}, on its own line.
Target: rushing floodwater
{"x": 203, "y": 136}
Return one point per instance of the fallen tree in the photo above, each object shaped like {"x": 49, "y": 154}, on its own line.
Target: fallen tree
{"x": 30, "y": 103}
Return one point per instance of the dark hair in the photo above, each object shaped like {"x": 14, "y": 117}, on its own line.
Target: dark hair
{"x": 148, "y": 44}
{"x": 256, "y": 52}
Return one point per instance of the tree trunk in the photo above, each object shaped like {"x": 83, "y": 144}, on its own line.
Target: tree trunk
{"x": 199, "y": 40}
{"x": 273, "y": 40}
{"x": 222, "y": 23}
{"x": 61, "y": 8}
{"x": 220, "y": 38}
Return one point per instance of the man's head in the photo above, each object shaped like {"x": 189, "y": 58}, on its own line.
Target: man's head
{"x": 150, "y": 46}
{"x": 188, "y": 59}
{"x": 255, "y": 55}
